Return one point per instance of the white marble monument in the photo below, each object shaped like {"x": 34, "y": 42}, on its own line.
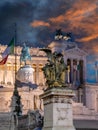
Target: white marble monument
{"x": 58, "y": 109}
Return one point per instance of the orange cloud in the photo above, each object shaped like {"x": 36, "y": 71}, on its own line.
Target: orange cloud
{"x": 58, "y": 19}
{"x": 76, "y": 13}
{"x": 37, "y": 23}
{"x": 81, "y": 16}
{"x": 79, "y": 12}
{"x": 88, "y": 38}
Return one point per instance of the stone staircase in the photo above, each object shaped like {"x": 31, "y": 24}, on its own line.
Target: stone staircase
{"x": 82, "y": 112}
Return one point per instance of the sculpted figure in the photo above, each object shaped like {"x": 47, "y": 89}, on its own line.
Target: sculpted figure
{"x": 55, "y": 69}
{"x": 62, "y": 70}
{"x": 25, "y": 54}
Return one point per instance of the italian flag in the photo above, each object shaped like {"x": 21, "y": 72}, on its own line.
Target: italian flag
{"x": 9, "y": 50}
{"x": 3, "y": 61}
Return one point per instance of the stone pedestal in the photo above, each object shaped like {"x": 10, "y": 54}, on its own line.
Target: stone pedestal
{"x": 58, "y": 109}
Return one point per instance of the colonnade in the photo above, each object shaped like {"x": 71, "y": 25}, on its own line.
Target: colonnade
{"x": 38, "y": 74}
{"x": 75, "y": 71}
{"x": 8, "y": 73}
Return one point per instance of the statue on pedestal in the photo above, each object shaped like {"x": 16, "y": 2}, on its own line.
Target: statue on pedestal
{"x": 25, "y": 73}
{"x": 55, "y": 69}
{"x": 25, "y": 54}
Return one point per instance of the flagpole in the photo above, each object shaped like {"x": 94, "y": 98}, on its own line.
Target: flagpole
{"x": 16, "y": 105}
{"x": 16, "y": 93}
{"x": 15, "y": 52}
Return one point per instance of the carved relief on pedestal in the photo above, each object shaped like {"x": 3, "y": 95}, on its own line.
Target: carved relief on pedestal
{"x": 62, "y": 114}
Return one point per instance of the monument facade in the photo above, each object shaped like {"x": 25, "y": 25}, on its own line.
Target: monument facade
{"x": 76, "y": 76}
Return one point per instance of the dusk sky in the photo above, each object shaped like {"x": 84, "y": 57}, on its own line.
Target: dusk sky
{"x": 37, "y": 21}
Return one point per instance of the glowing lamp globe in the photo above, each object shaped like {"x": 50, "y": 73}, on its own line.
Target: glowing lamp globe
{"x": 25, "y": 74}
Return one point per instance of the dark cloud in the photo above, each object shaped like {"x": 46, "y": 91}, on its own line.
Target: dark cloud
{"x": 21, "y": 13}
{"x": 37, "y": 21}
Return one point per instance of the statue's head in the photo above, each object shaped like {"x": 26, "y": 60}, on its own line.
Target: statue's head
{"x": 24, "y": 44}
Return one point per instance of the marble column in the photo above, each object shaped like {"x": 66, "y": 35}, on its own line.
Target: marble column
{"x": 13, "y": 73}
{"x": 74, "y": 75}
{"x": 11, "y": 69}
{"x": 44, "y": 79}
{"x": 68, "y": 74}
{"x": 71, "y": 70}
{"x": 37, "y": 74}
{"x": 74, "y": 71}
{"x": 84, "y": 70}
{"x": 78, "y": 71}
{"x": 5, "y": 73}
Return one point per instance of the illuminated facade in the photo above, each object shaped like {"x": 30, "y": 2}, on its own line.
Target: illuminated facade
{"x": 84, "y": 103}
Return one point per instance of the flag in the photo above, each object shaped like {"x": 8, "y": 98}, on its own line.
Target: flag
{"x": 9, "y": 50}
{"x": 2, "y": 62}
{"x": 78, "y": 67}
